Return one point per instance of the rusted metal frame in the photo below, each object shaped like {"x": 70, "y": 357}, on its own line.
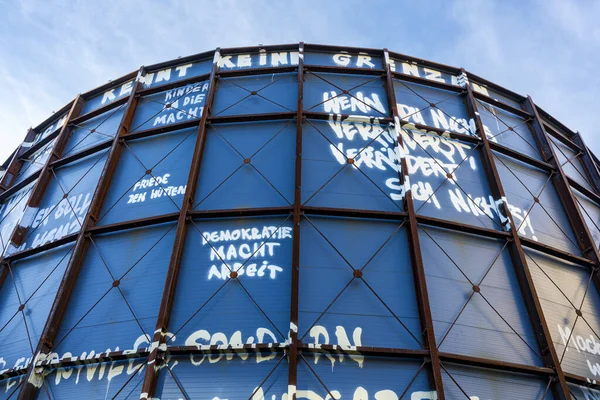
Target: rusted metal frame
{"x": 99, "y": 111}
{"x": 497, "y": 365}
{"x": 228, "y": 51}
{"x": 37, "y": 250}
{"x": 522, "y": 157}
{"x": 517, "y": 98}
{"x": 66, "y": 287}
{"x": 418, "y": 269}
{"x": 344, "y": 70}
{"x": 429, "y": 64}
{"x": 82, "y": 154}
{"x": 426, "y": 82}
{"x": 503, "y": 106}
{"x": 457, "y": 226}
{"x": 591, "y": 171}
{"x": 524, "y": 279}
{"x": 558, "y": 126}
{"x": 581, "y": 380}
{"x": 111, "y": 84}
{"x": 563, "y": 189}
{"x": 253, "y": 117}
{"x": 199, "y": 57}
{"x": 297, "y": 217}
{"x": 308, "y": 47}
{"x": 567, "y": 141}
{"x": 533, "y": 244}
{"x": 233, "y": 73}
{"x": 45, "y": 176}
{"x": 16, "y": 187}
{"x": 585, "y": 191}
{"x": 168, "y": 294}
{"x": 16, "y": 162}
{"x": 365, "y": 351}
{"x": 353, "y": 213}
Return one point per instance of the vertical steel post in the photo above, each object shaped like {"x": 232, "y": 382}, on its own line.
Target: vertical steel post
{"x": 158, "y": 347}
{"x": 517, "y": 254}
{"x": 293, "y": 349}
{"x": 579, "y": 227}
{"x": 37, "y": 194}
{"x": 63, "y": 295}
{"x": 418, "y": 269}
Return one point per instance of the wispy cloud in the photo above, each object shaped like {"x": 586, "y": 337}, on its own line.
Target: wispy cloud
{"x": 52, "y": 50}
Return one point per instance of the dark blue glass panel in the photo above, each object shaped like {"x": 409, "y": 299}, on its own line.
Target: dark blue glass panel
{"x": 442, "y": 109}
{"x": 377, "y": 310}
{"x": 11, "y": 212}
{"x": 171, "y": 106}
{"x": 108, "y": 380}
{"x": 545, "y": 221}
{"x": 342, "y": 59}
{"x": 479, "y": 383}
{"x": 108, "y": 96}
{"x": 94, "y": 131}
{"x": 177, "y": 73}
{"x": 583, "y": 393}
{"x": 226, "y": 181}
{"x": 257, "y": 94}
{"x": 106, "y": 314}
{"x": 564, "y": 288}
{"x": 370, "y": 182}
{"x": 262, "y": 59}
{"x": 9, "y": 388}
{"x": 416, "y": 69}
{"x": 211, "y": 308}
{"x": 65, "y": 203}
{"x": 324, "y": 92}
{"x": 234, "y": 376}
{"x": 465, "y": 196}
{"x": 31, "y": 282}
{"x": 151, "y": 177}
{"x": 508, "y": 130}
{"x": 468, "y": 322}
{"x": 360, "y": 377}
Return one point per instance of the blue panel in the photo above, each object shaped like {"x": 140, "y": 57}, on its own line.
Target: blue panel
{"x": 33, "y": 282}
{"x": 359, "y": 377}
{"x": 109, "y": 380}
{"x": 545, "y": 221}
{"x": 257, "y": 94}
{"x": 151, "y": 177}
{"x": 177, "y": 73}
{"x": 371, "y": 182}
{"x": 342, "y": 59}
{"x": 66, "y": 201}
{"x": 100, "y": 315}
{"x": 94, "y": 131}
{"x": 232, "y": 376}
{"x": 415, "y": 106}
{"x": 508, "y": 130}
{"x": 262, "y": 59}
{"x": 324, "y": 92}
{"x": 50, "y": 128}
{"x": 500, "y": 330}
{"x": 591, "y": 215}
{"x": 562, "y": 288}
{"x": 416, "y": 69}
{"x": 227, "y": 182}
{"x": 486, "y": 384}
{"x": 583, "y": 393}
{"x": 483, "y": 89}
{"x": 465, "y": 197}
{"x": 108, "y": 96}
{"x": 570, "y": 163}
{"x": 209, "y": 307}
{"x": 331, "y": 248}
{"x": 9, "y": 388}
{"x": 11, "y": 212}
{"x": 35, "y": 162}
{"x": 169, "y": 107}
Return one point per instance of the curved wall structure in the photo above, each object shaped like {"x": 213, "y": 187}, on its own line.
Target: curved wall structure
{"x": 300, "y": 221}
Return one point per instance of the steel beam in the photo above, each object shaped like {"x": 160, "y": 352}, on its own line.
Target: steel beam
{"x": 418, "y": 269}
{"x": 168, "y": 295}
{"x": 61, "y": 301}
{"x": 517, "y": 255}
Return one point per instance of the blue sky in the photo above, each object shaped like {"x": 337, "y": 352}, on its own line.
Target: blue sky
{"x": 52, "y": 50}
